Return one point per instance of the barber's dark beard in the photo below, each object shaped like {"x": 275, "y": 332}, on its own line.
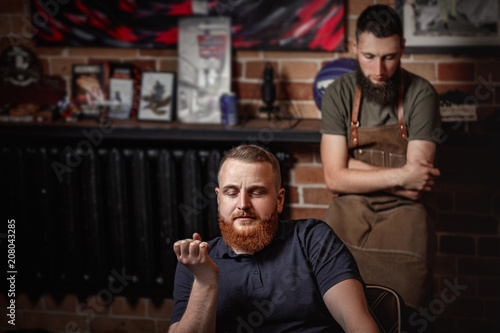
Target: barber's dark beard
{"x": 252, "y": 239}
{"x": 383, "y": 93}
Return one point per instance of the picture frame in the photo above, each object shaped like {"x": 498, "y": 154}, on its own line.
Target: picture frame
{"x": 157, "y": 96}
{"x": 121, "y": 95}
{"x": 451, "y": 26}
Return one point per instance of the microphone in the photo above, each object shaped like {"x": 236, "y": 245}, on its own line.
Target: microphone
{"x": 268, "y": 90}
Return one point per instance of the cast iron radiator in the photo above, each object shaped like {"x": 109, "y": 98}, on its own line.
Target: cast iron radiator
{"x": 86, "y": 218}
{"x": 101, "y": 218}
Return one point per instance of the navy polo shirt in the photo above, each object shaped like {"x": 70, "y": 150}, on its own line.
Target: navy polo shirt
{"x": 281, "y": 287}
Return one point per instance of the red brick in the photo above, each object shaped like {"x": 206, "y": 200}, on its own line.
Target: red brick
{"x": 456, "y": 245}
{"x": 248, "y": 90}
{"x": 303, "y": 110}
{"x": 303, "y": 155}
{"x": 306, "y": 174}
{"x": 479, "y": 266}
{"x": 489, "y": 246}
{"x": 25, "y": 301}
{"x": 11, "y": 7}
{"x": 423, "y": 69}
{"x": 489, "y": 69}
{"x": 63, "y": 66}
{"x": 162, "y": 326}
{"x": 245, "y": 54}
{"x": 489, "y": 287}
{"x": 444, "y": 201}
{"x": 122, "y": 325}
{"x": 298, "y": 70}
{"x": 297, "y": 91}
{"x": 145, "y": 65}
{"x": 255, "y": 69}
{"x": 465, "y": 223}
{"x": 319, "y": 196}
{"x": 14, "y": 40}
{"x": 5, "y": 26}
{"x": 121, "y": 307}
{"x": 168, "y": 65}
{"x": 295, "y": 55}
{"x": 295, "y": 213}
{"x": 292, "y": 194}
{"x": 473, "y": 202}
{"x": 158, "y": 53}
{"x": 445, "y": 264}
{"x": 93, "y": 306}
{"x": 356, "y": 7}
{"x": 443, "y": 325}
{"x": 464, "y": 307}
{"x": 66, "y": 304}
{"x": 164, "y": 310}
{"x": 477, "y": 325}
{"x": 54, "y": 321}
{"x": 492, "y": 309}
{"x": 236, "y": 69}
{"x": 49, "y": 51}
{"x": 22, "y": 25}
{"x": 469, "y": 284}
{"x": 113, "y": 53}
{"x": 456, "y": 71}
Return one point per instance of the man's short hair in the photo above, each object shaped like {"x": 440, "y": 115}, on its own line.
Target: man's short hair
{"x": 380, "y": 20}
{"x": 252, "y": 154}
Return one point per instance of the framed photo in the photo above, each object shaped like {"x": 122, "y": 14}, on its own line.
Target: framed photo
{"x": 451, "y": 26}
{"x": 121, "y": 95}
{"x": 157, "y": 96}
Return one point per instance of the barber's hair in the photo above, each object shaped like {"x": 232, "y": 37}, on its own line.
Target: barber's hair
{"x": 380, "y": 20}
{"x": 252, "y": 154}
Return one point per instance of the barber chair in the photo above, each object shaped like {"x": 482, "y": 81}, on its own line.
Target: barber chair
{"x": 386, "y": 307}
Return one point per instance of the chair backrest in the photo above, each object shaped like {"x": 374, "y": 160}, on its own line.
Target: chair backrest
{"x": 386, "y": 307}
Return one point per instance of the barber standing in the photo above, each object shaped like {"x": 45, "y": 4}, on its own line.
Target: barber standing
{"x": 378, "y": 151}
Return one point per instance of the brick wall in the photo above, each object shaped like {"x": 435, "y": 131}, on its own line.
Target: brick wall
{"x": 466, "y": 200}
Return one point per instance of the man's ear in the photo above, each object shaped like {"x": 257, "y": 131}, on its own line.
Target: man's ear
{"x": 281, "y": 200}
{"x": 403, "y": 44}
{"x": 217, "y": 192}
{"x": 354, "y": 45}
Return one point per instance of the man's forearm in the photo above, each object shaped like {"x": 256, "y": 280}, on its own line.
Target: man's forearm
{"x": 363, "y": 180}
{"x": 200, "y": 312}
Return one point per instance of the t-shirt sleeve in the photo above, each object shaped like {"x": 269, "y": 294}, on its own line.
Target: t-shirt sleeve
{"x": 182, "y": 290}
{"x": 333, "y": 109}
{"x": 330, "y": 259}
{"x": 425, "y": 121}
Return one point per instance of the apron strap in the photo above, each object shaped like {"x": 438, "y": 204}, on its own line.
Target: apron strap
{"x": 402, "y": 128}
{"x": 355, "y": 114}
{"x": 354, "y": 119}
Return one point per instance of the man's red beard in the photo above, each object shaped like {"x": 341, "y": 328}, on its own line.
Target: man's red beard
{"x": 253, "y": 238}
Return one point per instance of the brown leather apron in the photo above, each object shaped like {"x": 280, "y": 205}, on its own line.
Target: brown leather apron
{"x": 390, "y": 237}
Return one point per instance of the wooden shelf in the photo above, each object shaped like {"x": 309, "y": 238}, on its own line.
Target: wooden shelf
{"x": 277, "y": 131}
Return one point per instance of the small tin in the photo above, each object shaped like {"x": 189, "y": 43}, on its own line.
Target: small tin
{"x": 229, "y": 108}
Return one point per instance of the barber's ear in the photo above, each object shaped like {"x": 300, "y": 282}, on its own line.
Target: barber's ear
{"x": 403, "y": 43}
{"x": 354, "y": 45}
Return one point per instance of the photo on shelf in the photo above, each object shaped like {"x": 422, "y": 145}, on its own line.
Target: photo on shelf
{"x": 121, "y": 95}
{"x": 157, "y": 96}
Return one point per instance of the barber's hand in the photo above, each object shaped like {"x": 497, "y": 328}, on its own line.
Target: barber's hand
{"x": 193, "y": 253}
{"x": 410, "y": 194}
{"x": 418, "y": 176}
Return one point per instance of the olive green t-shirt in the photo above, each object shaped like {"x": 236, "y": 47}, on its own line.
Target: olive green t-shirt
{"x": 420, "y": 107}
